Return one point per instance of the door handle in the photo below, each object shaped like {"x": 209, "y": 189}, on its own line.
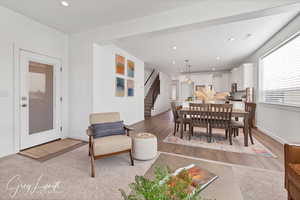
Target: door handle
{"x": 24, "y": 105}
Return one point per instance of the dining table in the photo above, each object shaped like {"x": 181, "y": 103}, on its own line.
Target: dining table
{"x": 236, "y": 113}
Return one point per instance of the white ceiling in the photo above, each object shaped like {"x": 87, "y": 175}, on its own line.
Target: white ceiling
{"x": 201, "y": 46}
{"x": 83, "y": 15}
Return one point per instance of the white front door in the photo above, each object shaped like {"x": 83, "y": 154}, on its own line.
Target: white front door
{"x": 40, "y": 99}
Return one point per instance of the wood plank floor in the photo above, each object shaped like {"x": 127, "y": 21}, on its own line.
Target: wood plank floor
{"x": 161, "y": 125}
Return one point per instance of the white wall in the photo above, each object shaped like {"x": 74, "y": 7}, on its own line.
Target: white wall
{"x": 175, "y": 89}
{"x": 104, "y": 77}
{"x": 202, "y": 79}
{"x": 19, "y": 32}
{"x": 278, "y": 121}
{"x": 81, "y": 86}
{"x": 162, "y": 102}
{"x": 248, "y": 75}
{"x": 221, "y": 83}
{"x": 93, "y": 89}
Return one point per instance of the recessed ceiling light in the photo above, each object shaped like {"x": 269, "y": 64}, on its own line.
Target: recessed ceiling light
{"x": 218, "y": 58}
{"x": 248, "y": 35}
{"x": 173, "y": 62}
{"x": 231, "y": 39}
{"x": 64, "y": 3}
{"x": 174, "y": 47}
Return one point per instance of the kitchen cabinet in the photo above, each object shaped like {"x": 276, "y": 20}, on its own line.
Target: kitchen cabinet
{"x": 243, "y": 76}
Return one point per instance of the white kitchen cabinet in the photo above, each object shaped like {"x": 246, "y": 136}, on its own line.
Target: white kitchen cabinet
{"x": 243, "y": 76}
{"x": 248, "y": 75}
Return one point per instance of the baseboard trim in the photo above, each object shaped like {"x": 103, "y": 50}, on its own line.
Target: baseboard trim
{"x": 269, "y": 134}
{"x": 81, "y": 138}
{"x": 162, "y": 112}
{"x": 136, "y": 122}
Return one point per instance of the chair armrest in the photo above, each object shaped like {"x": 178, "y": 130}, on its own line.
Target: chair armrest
{"x": 127, "y": 128}
{"x": 292, "y": 154}
{"x": 90, "y": 131}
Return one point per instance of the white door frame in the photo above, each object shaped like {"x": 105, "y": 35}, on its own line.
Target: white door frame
{"x": 17, "y": 94}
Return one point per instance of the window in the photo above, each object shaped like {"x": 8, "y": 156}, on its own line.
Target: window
{"x": 280, "y": 74}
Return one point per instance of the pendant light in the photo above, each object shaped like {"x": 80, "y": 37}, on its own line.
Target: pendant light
{"x": 188, "y": 70}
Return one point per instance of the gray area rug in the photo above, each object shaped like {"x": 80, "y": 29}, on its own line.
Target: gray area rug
{"x": 67, "y": 177}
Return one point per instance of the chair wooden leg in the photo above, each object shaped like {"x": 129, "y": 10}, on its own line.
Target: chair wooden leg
{"x": 90, "y": 142}
{"x": 92, "y": 166}
{"x": 209, "y": 134}
{"x": 91, "y": 153}
{"x": 192, "y": 128}
{"x": 226, "y": 133}
{"x": 289, "y": 196}
{"x": 131, "y": 158}
{"x": 230, "y": 136}
{"x": 175, "y": 125}
{"x": 250, "y": 135}
{"x": 184, "y": 127}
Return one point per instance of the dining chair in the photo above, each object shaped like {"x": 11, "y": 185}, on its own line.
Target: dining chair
{"x": 236, "y": 125}
{"x": 195, "y": 106}
{"x": 220, "y": 117}
{"x": 199, "y": 118}
{"x": 176, "y": 119}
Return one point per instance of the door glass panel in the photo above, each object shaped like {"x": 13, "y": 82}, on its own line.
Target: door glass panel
{"x": 40, "y": 97}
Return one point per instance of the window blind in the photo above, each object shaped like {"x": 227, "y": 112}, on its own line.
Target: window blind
{"x": 280, "y": 74}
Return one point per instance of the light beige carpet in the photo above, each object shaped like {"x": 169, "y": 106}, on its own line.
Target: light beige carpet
{"x": 219, "y": 142}
{"x": 49, "y": 150}
{"x": 67, "y": 177}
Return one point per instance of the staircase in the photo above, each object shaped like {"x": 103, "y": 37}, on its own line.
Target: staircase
{"x": 151, "y": 96}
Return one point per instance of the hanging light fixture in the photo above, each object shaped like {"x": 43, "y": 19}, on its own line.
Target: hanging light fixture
{"x": 188, "y": 72}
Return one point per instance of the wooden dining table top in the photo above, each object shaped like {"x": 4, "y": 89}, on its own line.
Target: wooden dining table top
{"x": 234, "y": 111}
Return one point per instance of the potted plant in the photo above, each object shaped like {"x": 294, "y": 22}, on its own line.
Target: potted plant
{"x": 164, "y": 186}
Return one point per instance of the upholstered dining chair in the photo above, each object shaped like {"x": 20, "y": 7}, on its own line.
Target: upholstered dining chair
{"x": 100, "y": 147}
{"x": 220, "y": 117}
{"x": 236, "y": 125}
